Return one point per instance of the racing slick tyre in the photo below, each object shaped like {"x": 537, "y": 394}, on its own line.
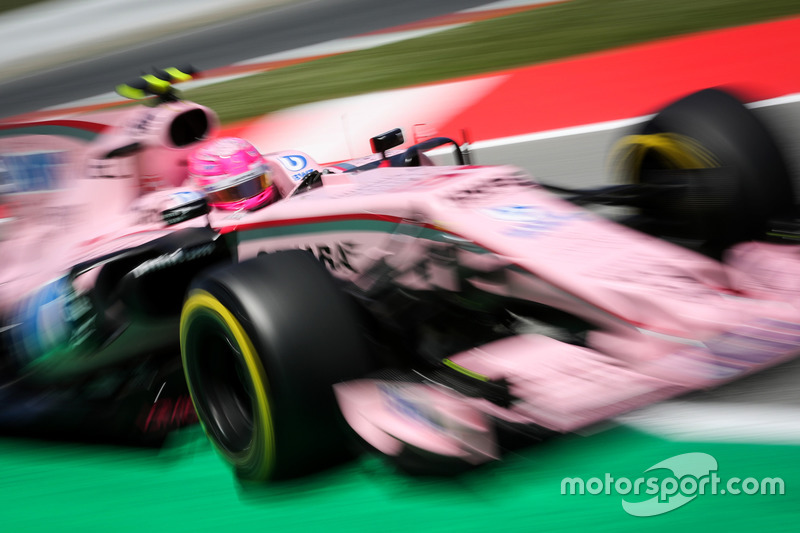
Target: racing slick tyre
{"x": 262, "y": 343}
{"x": 737, "y": 177}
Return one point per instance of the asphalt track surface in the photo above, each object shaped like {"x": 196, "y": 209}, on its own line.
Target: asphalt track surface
{"x": 270, "y": 31}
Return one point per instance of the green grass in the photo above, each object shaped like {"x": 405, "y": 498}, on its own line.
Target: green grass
{"x": 8, "y": 5}
{"x": 576, "y": 27}
{"x": 62, "y": 487}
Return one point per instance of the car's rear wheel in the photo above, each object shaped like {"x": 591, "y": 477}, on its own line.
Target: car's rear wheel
{"x": 736, "y": 176}
{"x": 262, "y": 342}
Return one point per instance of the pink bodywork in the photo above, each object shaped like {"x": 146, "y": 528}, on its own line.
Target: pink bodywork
{"x": 92, "y": 204}
{"x": 668, "y": 320}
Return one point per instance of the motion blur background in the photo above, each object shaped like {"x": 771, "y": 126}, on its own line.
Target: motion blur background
{"x": 261, "y": 57}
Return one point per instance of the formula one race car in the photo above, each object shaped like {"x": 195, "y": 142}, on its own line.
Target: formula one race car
{"x": 442, "y": 312}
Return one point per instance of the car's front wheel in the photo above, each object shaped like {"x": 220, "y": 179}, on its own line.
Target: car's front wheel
{"x": 262, "y": 342}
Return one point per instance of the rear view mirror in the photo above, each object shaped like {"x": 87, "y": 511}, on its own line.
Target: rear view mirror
{"x": 386, "y": 141}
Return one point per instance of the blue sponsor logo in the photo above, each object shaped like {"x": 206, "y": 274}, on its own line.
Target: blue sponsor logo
{"x": 185, "y": 197}
{"x": 32, "y": 172}
{"x": 293, "y": 163}
{"x": 528, "y": 221}
{"x": 409, "y": 408}
{"x": 516, "y": 213}
{"x": 297, "y": 165}
{"x": 301, "y": 175}
{"x": 53, "y": 319}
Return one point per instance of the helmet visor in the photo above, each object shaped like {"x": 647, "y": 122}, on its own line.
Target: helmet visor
{"x": 239, "y": 188}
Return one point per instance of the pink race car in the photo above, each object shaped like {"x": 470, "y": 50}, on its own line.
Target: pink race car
{"x": 435, "y": 312}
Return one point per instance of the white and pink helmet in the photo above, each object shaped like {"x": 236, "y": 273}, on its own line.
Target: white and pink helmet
{"x": 232, "y": 174}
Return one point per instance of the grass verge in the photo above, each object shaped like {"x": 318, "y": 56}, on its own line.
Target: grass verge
{"x": 547, "y": 33}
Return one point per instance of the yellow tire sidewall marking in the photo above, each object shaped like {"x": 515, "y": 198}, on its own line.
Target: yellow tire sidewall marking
{"x": 201, "y": 302}
{"x": 680, "y": 151}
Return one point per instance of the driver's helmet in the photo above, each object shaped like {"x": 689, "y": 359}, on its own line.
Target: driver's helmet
{"x": 232, "y": 174}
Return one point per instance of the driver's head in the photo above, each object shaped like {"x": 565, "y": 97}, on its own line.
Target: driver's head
{"x": 232, "y": 174}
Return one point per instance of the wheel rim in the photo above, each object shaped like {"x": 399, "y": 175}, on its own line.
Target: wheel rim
{"x": 221, "y": 388}
{"x": 228, "y": 385}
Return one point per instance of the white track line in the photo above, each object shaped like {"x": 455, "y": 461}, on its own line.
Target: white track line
{"x": 504, "y": 4}
{"x": 336, "y": 46}
{"x": 718, "y": 422}
{"x": 348, "y": 44}
{"x": 607, "y": 126}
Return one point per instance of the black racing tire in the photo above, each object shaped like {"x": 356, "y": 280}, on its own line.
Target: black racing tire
{"x": 755, "y": 185}
{"x": 262, "y": 343}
